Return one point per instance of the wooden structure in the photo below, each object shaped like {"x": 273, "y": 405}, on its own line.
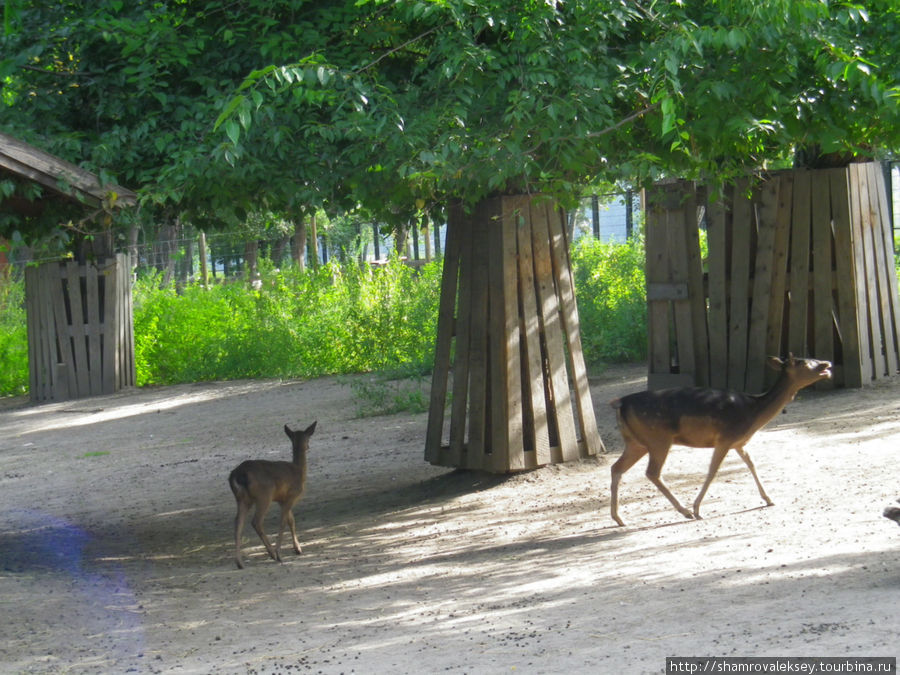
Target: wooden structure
{"x": 508, "y": 348}
{"x": 799, "y": 261}
{"x": 80, "y": 335}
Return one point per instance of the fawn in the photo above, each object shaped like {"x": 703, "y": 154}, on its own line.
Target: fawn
{"x": 260, "y": 482}
{"x": 652, "y": 421}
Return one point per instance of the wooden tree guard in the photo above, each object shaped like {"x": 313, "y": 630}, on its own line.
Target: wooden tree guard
{"x": 80, "y": 333}
{"x": 799, "y": 261}
{"x": 508, "y": 330}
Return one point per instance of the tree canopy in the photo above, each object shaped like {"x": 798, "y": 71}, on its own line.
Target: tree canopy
{"x": 213, "y": 109}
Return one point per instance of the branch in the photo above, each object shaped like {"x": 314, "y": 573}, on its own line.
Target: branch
{"x": 624, "y": 121}
{"x": 399, "y": 47}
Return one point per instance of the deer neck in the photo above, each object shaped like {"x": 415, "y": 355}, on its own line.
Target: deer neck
{"x": 773, "y": 401}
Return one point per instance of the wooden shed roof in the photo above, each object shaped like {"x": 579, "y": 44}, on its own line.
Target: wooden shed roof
{"x": 62, "y": 177}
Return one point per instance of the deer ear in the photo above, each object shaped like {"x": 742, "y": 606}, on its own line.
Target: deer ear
{"x": 775, "y": 362}
{"x": 311, "y": 428}
{"x": 287, "y": 430}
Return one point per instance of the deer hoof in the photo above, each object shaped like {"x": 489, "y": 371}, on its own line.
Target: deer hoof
{"x": 239, "y": 564}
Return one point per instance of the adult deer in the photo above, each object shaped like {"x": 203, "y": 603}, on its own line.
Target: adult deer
{"x": 652, "y": 421}
{"x": 259, "y": 482}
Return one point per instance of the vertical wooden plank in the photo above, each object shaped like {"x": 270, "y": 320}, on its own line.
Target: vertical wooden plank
{"x": 680, "y": 209}
{"x": 845, "y": 280}
{"x": 548, "y": 304}
{"x": 562, "y": 268}
{"x": 799, "y": 266}
{"x": 761, "y": 301}
{"x": 696, "y": 294}
{"x": 48, "y": 283}
{"x": 740, "y": 286}
{"x": 93, "y": 363}
{"x": 444, "y": 339}
{"x": 861, "y": 280}
{"x": 507, "y": 445}
{"x": 823, "y": 299}
{"x": 478, "y": 339}
{"x": 775, "y": 325}
{"x": 876, "y": 336}
{"x": 65, "y": 384}
{"x": 459, "y": 404}
{"x": 883, "y": 262}
{"x": 716, "y": 231}
{"x": 889, "y": 261}
{"x": 78, "y": 327}
{"x": 126, "y": 290}
{"x": 532, "y": 367}
{"x": 657, "y": 272}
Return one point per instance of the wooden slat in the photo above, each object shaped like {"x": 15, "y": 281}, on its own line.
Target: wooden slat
{"x": 848, "y": 319}
{"x": 559, "y": 248}
{"x": 889, "y": 261}
{"x": 861, "y": 281}
{"x": 114, "y": 304}
{"x": 478, "y": 341}
{"x": 127, "y": 323}
{"x": 532, "y": 361}
{"x": 871, "y": 274}
{"x": 716, "y": 231}
{"x": 92, "y": 329}
{"x": 507, "y": 445}
{"x": 444, "y": 340}
{"x": 775, "y": 327}
{"x": 823, "y": 300}
{"x": 657, "y": 272}
{"x": 760, "y": 301}
{"x": 799, "y": 270}
{"x": 697, "y": 296}
{"x": 459, "y": 404}
{"x": 548, "y": 303}
{"x": 738, "y": 315}
{"x": 883, "y": 261}
{"x": 77, "y": 327}
{"x": 676, "y": 219}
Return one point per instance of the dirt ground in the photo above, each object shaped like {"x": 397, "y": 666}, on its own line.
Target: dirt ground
{"x": 116, "y": 542}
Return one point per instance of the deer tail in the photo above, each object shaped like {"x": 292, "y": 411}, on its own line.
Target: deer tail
{"x": 238, "y": 482}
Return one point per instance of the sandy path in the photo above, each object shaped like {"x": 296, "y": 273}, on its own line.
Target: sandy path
{"x": 115, "y": 552}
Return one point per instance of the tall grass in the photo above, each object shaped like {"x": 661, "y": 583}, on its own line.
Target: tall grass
{"x": 334, "y": 320}
{"x": 612, "y": 300}
{"x": 13, "y": 338}
{"x": 298, "y": 324}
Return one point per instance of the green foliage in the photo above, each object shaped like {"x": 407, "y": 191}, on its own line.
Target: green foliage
{"x": 391, "y": 392}
{"x": 13, "y": 338}
{"x": 337, "y": 319}
{"x": 612, "y": 300}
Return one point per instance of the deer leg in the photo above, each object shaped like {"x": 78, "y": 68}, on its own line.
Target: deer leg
{"x": 744, "y": 455}
{"x": 632, "y": 453}
{"x": 290, "y": 521}
{"x": 262, "y": 505}
{"x": 715, "y": 463}
{"x": 654, "y": 469}
{"x": 242, "y": 509}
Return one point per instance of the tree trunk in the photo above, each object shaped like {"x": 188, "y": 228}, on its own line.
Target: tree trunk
{"x": 251, "y": 261}
{"x": 508, "y": 332}
{"x": 298, "y": 243}
{"x": 313, "y": 242}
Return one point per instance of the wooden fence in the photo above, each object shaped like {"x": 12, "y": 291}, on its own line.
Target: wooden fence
{"x": 798, "y": 261}
{"x": 80, "y": 333}
{"x": 508, "y": 348}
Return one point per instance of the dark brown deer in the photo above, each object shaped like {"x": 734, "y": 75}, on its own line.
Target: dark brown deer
{"x": 652, "y": 421}
{"x": 259, "y": 482}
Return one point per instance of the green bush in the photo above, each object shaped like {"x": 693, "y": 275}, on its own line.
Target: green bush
{"x": 333, "y": 320}
{"x": 612, "y": 300}
{"x": 298, "y": 324}
{"x": 13, "y": 338}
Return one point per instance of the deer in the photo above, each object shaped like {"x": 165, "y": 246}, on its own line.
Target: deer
{"x": 259, "y": 482}
{"x": 652, "y": 421}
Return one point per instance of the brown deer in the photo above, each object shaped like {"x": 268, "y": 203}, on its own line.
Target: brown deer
{"x": 259, "y": 482}
{"x": 652, "y": 421}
